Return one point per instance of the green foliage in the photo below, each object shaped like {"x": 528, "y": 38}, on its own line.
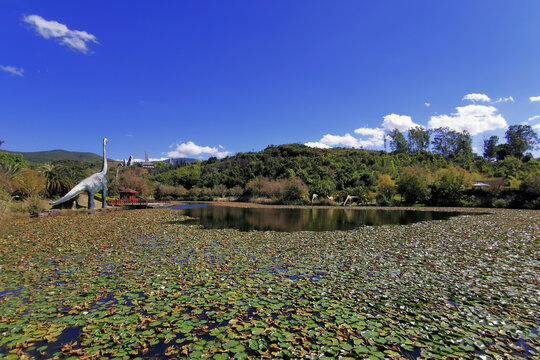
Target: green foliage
{"x": 295, "y": 190}
{"x": 509, "y": 166}
{"x": 386, "y": 187}
{"x": 452, "y": 144}
{"x": 418, "y": 139}
{"x": 491, "y": 147}
{"x": 398, "y": 143}
{"x": 449, "y": 184}
{"x": 5, "y": 200}
{"x": 413, "y": 184}
{"x": 531, "y": 185}
{"x": 33, "y": 206}
{"x": 521, "y": 138}
{"x": 9, "y": 158}
{"x": 323, "y": 188}
{"x": 61, "y": 176}
{"x": 186, "y": 176}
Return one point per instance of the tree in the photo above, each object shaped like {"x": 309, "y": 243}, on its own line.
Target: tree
{"x": 398, "y": 144}
{"x": 386, "y": 187}
{"x": 521, "y": 138}
{"x": 418, "y": 139}
{"x": 413, "y": 184}
{"x": 451, "y": 143}
{"x": 449, "y": 184}
{"x": 531, "y": 189}
{"x": 295, "y": 190}
{"x": 323, "y": 188}
{"x": 12, "y": 158}
{"x": 491, "y": 147}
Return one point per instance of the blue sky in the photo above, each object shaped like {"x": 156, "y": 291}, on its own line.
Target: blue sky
{"x": 201, "y": 78}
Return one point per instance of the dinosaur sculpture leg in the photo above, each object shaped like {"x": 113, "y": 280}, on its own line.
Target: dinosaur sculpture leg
{"x": 104, "y": 196}
{"x": 91, "y": 203}
{"x": 75, "y": 200}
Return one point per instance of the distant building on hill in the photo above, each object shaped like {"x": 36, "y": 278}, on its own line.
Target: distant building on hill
{"x": 489, "y": 184}
{"x": 147, "y": 163}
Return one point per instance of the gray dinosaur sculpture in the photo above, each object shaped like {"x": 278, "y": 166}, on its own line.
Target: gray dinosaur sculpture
{"x": 91, "y": 185}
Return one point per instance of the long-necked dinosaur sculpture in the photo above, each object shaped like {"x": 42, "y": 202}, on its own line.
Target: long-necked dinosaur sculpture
{"x": 91, "y": 185}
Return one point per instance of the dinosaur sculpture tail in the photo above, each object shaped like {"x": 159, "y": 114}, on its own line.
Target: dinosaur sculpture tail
{"x": 70, "y": 195}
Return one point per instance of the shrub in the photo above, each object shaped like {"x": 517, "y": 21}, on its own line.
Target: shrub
{"x": 413, "y": 184}
{"x": 501, "y": 203}
{"x": 386, "y": 187}
{"x": 449, "y": 185}
{"x": 294, "y": 190}
{"x": 5, "y": 200}
{"x": 33, "y": 206}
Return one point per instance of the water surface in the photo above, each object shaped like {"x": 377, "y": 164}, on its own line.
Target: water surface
{"x": 302, "y": 219}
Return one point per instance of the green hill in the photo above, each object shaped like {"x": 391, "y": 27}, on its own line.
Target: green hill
{"x": 52, "y": 155}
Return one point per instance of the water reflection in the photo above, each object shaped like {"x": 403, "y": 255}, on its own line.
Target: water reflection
{"x": 305, "y": 219}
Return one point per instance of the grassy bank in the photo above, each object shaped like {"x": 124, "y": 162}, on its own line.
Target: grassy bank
{"x": 137, "y": 284}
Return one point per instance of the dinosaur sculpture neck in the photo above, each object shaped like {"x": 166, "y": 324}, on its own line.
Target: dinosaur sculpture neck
{"x": 104, "y": 167}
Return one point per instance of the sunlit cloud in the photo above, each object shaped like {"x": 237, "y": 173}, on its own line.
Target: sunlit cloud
{"x": 317, "y": 145}
{"x": 190, "y": 149}
{"x": 534, "y": 99}
{"x": 475, "y": 119}
{"x": 504, "y": 99}
{"x": 49, "y": 29}
{"x": 400, "y": 122}
{"x": 477, "y": 97}
{"x": 13, "y": 70}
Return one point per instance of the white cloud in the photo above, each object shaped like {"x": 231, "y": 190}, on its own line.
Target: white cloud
{"x": 317, "y": 145}
{"x": 13, "y": 70}
{"x": 400, "y": 122}
{"x": 74, "y": 39}
{"x": 427, "y": 104}
{"x": 532, "y": 118}
{"x": 534, "y": 98}
{"x": 376, "y": 136}
{"x": 475, "y": 119}
{"x": 477, "y": 97}
{"x": 190, "y": 149}
{"x": 536, "y": 127}
{"x": 335, "y": 140}
{"x": 506, "y": 99}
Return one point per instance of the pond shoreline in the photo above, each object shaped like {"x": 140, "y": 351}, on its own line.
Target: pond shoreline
{"x": 417, "y": 208}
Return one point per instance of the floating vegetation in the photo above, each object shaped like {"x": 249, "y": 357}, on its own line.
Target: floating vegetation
{"x": 138, "y": 285}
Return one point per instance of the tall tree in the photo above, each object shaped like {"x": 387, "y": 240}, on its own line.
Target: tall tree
{"x": 418, "y": 138}
{"x": 521, "y": 138}
{"x": 398, "y": 143}
{"x": 491, "y": 147}
{"x": 451, "y": 143}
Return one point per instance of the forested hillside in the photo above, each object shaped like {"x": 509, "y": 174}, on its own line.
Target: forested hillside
{"x": 420, "y": 167}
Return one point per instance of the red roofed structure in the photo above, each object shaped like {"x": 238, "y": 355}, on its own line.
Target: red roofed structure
{"x": 128, "y": 193}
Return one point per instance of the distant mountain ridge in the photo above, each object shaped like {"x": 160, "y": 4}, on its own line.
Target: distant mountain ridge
{"x": 42, "y": 157}
{"x": 54, "y": 155}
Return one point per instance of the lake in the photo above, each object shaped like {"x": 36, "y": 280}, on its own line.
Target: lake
{"x": 301, "y": 219}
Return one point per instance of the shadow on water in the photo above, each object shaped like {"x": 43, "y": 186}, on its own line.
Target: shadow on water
{"x": 301, "y": 219}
